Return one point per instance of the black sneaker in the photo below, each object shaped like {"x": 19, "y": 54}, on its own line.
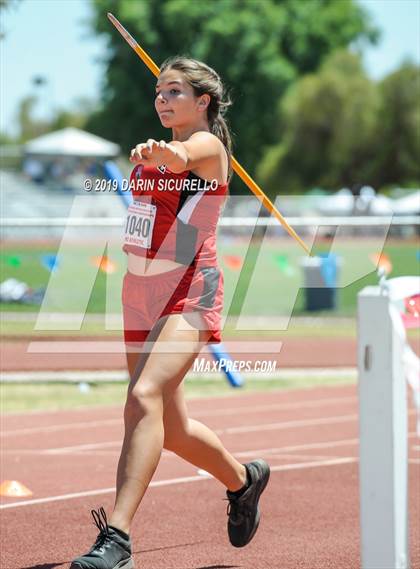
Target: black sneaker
{"x": 111, "y": 549}
{"x": 243, "y": 511}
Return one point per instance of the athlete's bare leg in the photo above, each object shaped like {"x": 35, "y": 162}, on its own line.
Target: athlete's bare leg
{"x": 154, "y": 381}
{"x": 199, "y": 445}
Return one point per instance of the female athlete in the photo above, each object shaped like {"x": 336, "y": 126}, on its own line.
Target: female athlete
{"x": 172, "y": 303}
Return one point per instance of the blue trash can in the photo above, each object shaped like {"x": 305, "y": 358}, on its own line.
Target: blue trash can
{"x": 320, "y": 281}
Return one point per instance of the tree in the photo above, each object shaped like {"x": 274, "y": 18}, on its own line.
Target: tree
{"x": 76, "y": 116}
{"x": 398, "y": 128}
{"x": 259, "y": 47}
{"x": 29, "y": 127}
{"x": 4, "y": 6}
{"x": 327, "y": 130}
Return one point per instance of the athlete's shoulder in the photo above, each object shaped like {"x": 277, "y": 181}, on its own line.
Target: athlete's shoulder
{"x": 204, "y": 145}
{"x": 206, "y": 137}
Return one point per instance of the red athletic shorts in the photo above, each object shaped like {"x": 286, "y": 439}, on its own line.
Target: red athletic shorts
{"x": 147, "y": 298}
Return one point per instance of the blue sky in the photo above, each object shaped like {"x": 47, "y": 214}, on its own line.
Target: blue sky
{"x": 51, "y": 38}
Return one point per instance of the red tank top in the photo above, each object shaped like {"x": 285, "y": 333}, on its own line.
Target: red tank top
{"x": 173, "y": 216}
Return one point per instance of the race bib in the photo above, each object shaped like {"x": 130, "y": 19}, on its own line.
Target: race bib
{"x": 139, "y": 225}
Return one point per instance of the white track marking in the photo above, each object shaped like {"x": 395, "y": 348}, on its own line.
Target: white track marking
{"x": 63, "y": 427}
{"x": 172, "y": 481}
{"x": 256, "y": 452}
{"x": 286, "y": 425}
{"x": 84, "y": 448}
{"x": 262, "y": 452}
{"x": 228, "y": 431}
{"x": 275, "y": 407}
{"x": 314, "y": 464}
{"x": 291, "y": 424}
{"x": 307, "y": 446}
{"x": 211, "y": 413}
{"x": 242, "y": 454}
{"x": 283, "y": 455}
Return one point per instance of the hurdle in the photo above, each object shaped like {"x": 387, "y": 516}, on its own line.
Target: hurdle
{"x": 383, "y": 421}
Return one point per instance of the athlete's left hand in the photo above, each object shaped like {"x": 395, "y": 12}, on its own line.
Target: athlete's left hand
{"x": 152, "y": 153}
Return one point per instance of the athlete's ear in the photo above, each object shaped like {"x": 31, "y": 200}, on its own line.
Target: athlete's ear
{"x": 204, "y": 102}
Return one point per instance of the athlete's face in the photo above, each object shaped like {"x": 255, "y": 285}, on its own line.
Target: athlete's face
{"x": 176, "y": 103}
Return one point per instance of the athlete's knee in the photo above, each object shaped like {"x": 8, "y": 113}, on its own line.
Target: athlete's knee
{"x": 143, "y": 399}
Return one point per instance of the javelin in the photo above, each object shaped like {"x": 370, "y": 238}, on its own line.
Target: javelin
{"x": 245, "y": 177}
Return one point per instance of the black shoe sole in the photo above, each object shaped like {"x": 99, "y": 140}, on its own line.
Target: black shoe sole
{"x": 124, "y": 564}
{"x": 260, "y": 491}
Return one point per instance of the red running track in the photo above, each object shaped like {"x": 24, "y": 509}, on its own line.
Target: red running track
{"x": 309, "y": 511}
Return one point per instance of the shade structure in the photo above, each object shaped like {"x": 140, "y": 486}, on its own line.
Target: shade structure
{"x": 408, "y": 205}
{"x": 72, "y": 142}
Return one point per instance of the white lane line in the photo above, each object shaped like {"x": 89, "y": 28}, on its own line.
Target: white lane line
{"x": 276, "y": 407}
{"x": 262, "y": 452}
{"x": 63, "y": 427}
{"x": 283, "y": 455}
{"x": 210, "y": 413}
{"x": 286, "y": 425}
{"x": 241, "y": 454}
{"x": 85, "y": 447}
{"x": 314, "y": 464}
{"x": 306, "y": 446}
{"x": 172, "y": 481}
{"x": 292, "y": 424}
{"x": 229, "y": 431}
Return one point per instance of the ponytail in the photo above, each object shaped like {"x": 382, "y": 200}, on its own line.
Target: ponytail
{"x": 204, "y": 79}
{"x": 219, "y": 128}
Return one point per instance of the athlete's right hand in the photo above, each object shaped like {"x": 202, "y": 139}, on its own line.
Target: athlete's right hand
{"x": 150, "y": 152}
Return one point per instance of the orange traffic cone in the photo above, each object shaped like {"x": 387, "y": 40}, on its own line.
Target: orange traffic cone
{"x": 14, "y": 489}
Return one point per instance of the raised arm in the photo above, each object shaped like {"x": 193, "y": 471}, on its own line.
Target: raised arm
{"x": 198, "y": 150}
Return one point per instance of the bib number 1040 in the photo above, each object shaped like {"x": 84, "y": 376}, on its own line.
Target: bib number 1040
{"x": 139, "y": 225}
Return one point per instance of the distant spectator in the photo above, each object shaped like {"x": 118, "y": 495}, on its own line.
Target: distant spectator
{"x": 34, "y": 170}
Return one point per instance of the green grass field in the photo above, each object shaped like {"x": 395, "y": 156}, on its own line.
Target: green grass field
{"x": 273, "y": 288}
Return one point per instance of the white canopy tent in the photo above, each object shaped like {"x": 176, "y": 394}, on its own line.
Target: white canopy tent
{"x": 72, "y": 142}
{"x": 408, "y": 205}
{"x": 340, "y": 203}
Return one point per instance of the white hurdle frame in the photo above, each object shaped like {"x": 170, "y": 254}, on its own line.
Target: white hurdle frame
{"x": 383, "y": 421}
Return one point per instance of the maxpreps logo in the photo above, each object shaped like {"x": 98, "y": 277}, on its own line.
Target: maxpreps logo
{"x": 162, "y": 168}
